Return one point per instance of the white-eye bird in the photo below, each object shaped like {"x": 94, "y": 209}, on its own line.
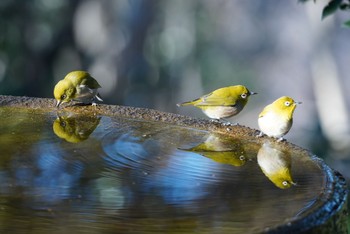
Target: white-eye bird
{"x": 78, "y": 86}
{"x": 276, "y": 119}
{"x": 222, "y": 103}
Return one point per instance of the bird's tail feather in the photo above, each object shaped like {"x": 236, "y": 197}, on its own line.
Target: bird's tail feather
{"x": 98, "y": 97}
{"x": 189, "y": 103}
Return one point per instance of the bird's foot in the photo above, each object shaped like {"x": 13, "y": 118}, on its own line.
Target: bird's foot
{"x": 260, "y": 134}
{"x": 230, "y": 124}
{"x": 215, "y": 120}
{"x": 225, "y": 122}
{"x": 280, "y": 139}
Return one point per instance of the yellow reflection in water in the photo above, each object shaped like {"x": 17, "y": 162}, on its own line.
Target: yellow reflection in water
{"x": 75, "y": 128}
{"x": 276, "y": 165}
{"x": 221, "y": 149}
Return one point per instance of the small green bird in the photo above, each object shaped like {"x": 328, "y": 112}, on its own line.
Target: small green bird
{"x": 79, "y": 86}
{"x": 276, "y": 119}
{"x": 222, "y": 103}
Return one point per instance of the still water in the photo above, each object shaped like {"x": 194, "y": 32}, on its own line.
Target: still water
{"x": 67, "y": 173}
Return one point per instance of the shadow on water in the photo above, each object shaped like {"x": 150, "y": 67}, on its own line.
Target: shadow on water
{"x": 112, "y": 175}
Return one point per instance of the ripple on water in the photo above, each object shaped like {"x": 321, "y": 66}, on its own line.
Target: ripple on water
{"x": 102, "y": 174}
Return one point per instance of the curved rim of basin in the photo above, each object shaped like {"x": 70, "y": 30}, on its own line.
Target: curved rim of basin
{"x": 334, "y": 193}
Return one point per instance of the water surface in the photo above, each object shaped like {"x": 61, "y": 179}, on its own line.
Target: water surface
{"x": 62, "y": 172}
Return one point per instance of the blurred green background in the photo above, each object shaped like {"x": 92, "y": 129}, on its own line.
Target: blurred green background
{"x": 157, "y": 53}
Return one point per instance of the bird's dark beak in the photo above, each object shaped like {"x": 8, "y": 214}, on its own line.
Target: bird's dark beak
{"x": 252, "y": 93}
{"x": 298, "y": 103}
{"x": 58, "y": 103}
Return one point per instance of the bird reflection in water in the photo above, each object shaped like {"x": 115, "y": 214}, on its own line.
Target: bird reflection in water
{"x": 276, "y": 165}
{"x": 75, "y": 128}
{"x": 221, "y": 149}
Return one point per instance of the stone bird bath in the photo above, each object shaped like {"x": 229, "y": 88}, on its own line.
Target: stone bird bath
{"x": 117, "y": 169}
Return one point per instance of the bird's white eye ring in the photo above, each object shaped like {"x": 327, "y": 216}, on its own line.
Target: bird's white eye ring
{"x": 63, "y": 97}
{"x": 244, "y": 95}
{"x": 287, "y": 103}
{"x": 285, "y": 183}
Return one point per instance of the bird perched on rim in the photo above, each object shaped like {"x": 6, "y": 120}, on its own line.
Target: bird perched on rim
{"x": 79, "y": 86}
{"x": 222, "y": 103}
{"x": 276, "y": 119}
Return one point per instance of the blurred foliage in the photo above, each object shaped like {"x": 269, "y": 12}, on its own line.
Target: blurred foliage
{"x": 157, "y": 53}
{"x": 33, "y": 32}
{"x": 137, "y": 55}
{"x": 333, "y": 6}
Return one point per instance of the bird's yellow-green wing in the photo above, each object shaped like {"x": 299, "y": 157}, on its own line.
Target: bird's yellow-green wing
{"x": 90, "y": 82}
{"x": 75, "y": 77}
{"x": 220, "y": 97}
{"x": 196, "y": 102}
{"x": 265, "y": 110}
{"x": 206, "y": 100}
{"x": 82, "y": 78}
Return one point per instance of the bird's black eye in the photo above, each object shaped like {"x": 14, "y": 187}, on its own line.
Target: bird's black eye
{"x": 63, "y": 97}
{"x": 287, "y": 103}
{"x": 63, "y": 124}
{"x": 285, "y": 183}
{"x": 244, "y": 95}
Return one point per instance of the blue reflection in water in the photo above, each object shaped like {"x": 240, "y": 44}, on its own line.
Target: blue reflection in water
{"x": 53, "y": 177}
{"x": 126, "y": 151}
{"x": 183, "y": 180}
{"x": 160, "y": 170}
